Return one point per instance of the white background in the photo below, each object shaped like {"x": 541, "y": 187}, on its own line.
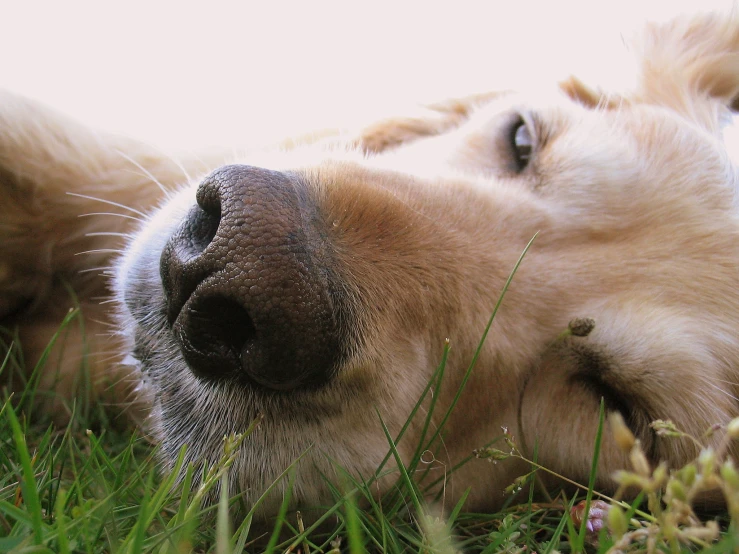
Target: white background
{"x": 185, "y": 75}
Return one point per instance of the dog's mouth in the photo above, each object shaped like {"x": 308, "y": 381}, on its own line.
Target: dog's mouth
{"x": 633, "y": 410}
{"x": 591, "y": 367}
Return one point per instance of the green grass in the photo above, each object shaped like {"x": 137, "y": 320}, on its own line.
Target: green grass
{"x": 94, "y": 486}
{"x": 73, "y": 489}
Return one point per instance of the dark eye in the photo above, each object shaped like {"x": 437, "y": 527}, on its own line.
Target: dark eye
{"x": 522, "y": 143}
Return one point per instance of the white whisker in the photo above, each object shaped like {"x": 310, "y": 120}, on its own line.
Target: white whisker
{"x": 206, "y": 166}
{"x": 146, "y": 171}
{"x": 112, "y": 213}
{"x": 106, "y": 324}
{"x": 108, "y": 357}
{"x": 106, "y": 268}
{"x": 722, "y": 391}
{"x": 173, "y": 160}
{"x": 110, "y": 202}
{"x": 108, "y": 234}
{"x": 101, "y": 251}
{"x": 166, "y": 155}
{"x": 717, "y": 380}
{"x": 107, "y": 353}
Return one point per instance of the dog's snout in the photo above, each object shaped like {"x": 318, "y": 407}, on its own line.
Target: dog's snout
{"x": 249, "y": 282}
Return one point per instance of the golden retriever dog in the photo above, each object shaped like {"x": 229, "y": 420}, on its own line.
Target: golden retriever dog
{"x": 314, "y": 288}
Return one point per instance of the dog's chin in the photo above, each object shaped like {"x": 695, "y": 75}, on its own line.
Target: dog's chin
{"x": 203, "y": 417}
{"x": 304, "y": 431}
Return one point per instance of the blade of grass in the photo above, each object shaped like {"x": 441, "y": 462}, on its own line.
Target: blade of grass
{"x": 375, "y": 505}
{"x": 532, "y": 486}
{"x": 28, "y": 484}
{"x": 454, "y": 514}
{"x": 353, "y": 526}
{"x": 565, "y": 520}
{"x": 438, "y": 378}
{"x": 475, "y": 357}
{"x": 281, "y": 514}
{"x": 29, "y": 392}
{"x": 223, "y": 519}
{"x": 405, "y": 478}
{"x": 61, "y": 527}
{"x": 8, "y": 354}
{"x": 434, "y": 381}
{"x": 135, "y": 539}
{"x": 151, "y": 505}
{"x": 16, "y": 513}
{"x": 571, "y": 531}
{"x": 287, "y": 471}
{"x": 593, "y": 473}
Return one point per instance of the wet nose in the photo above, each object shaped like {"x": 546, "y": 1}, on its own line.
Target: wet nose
{"x": 249, "y": 282}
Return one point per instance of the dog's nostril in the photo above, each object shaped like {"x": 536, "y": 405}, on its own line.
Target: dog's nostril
{"x": 204, "y": 228}
{"x": 179, "y": 266}
{"x": 199, "y": 232}
{"x": 213, "y": 332}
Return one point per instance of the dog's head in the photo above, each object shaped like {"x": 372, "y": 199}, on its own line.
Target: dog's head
{"x": 317, "y": 292}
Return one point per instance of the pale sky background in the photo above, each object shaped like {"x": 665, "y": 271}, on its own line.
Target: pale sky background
{"x": 188, "y": 75}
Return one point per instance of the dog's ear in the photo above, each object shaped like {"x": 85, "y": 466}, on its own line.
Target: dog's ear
{"x": 692, "y": 66}
{"x": 419, "y": 122}
{"x": 689, "y": 64}
{"x": 588, "y": 95}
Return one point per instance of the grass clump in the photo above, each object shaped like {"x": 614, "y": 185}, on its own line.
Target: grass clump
{"x": 78, "y": 490}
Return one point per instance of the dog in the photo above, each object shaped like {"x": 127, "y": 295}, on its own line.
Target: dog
{"x": 317, "y": 290}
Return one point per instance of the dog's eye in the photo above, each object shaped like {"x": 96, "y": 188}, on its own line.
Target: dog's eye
{"x": 522, "y": 143}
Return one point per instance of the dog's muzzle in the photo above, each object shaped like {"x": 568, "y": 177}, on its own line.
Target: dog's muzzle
{"x": 250, "y": 283}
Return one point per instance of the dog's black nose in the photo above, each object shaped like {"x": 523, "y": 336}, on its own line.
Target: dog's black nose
{"x": 249, "y": 282}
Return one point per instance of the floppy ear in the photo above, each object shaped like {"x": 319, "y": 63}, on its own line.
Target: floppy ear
{"x": 419, "y": 122}
{"x": 689, "y": 64}
{"x": 692, "y": 66}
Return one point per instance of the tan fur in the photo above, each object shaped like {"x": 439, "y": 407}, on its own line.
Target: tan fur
{"x": 632, "y": 194}
{"x": 49, "y": 245}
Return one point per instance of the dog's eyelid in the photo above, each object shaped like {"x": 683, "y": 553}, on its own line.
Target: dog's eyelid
{"x": 534, "y": 125}
{"x": 523, "y": 136}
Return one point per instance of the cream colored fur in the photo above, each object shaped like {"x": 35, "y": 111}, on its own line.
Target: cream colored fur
{"x": 634, "y": 199}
